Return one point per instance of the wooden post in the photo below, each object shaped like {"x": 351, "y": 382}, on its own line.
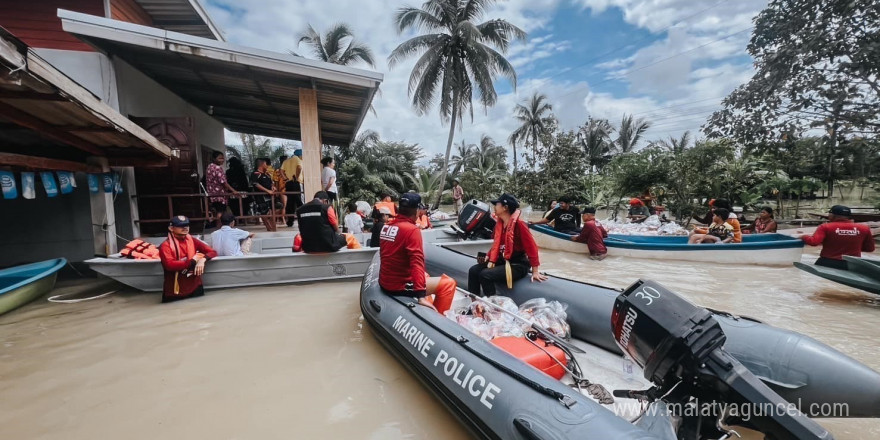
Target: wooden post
{"x": 311, "y": 142}
{"x": 103, "y": 213}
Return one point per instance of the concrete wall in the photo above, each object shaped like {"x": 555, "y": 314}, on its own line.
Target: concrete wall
{"x": 92, "y": 70}
{"x": 140, "y": 96}
{"x": 44, "y": 228}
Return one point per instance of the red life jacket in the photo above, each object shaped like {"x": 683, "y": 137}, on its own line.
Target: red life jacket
{"x": 504, "y": 233}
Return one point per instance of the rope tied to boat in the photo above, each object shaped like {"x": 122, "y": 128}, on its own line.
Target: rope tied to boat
{"x": 58, "y": 298}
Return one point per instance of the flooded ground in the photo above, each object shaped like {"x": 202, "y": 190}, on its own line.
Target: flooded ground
{"x": 298, "y": 361}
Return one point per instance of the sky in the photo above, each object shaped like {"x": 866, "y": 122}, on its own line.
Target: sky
{"x": 668, "y": 61}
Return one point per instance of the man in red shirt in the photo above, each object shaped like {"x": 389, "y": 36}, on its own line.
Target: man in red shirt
{"x": 592, "y": 235}
{"x": 839, "y": 237}
{"x": 513, "y": 246}
{"x": 402, "y": 257}
{"x": 183, "y": 259}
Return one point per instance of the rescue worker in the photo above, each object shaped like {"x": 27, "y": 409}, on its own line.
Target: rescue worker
{"x": 384, "y": 217}
{"x": 384, "y": 201}
{"x": 513, "y": 246}
{"x": 402, "y": 257}
{"x": 593, "y": 235}
{"x": 183, "y": 260}
{"x": 839, "y": 237}
{"x": 422, "y": 219}
{"x": 319, "y": 228}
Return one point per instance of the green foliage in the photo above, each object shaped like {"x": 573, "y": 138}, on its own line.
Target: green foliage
{"x": 337, "y": 46}
{"x": 253, "y": 148}
{"x": 370, "y": 166}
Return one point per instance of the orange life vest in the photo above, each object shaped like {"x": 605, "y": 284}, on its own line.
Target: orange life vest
{"x": 138, "y": 249}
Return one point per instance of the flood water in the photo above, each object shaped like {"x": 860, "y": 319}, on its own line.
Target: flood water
{"x": 299, "y": 362}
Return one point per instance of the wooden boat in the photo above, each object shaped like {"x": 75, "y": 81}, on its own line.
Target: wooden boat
{"x": 763, "y": 249}
{"x": 863, "y": 274}
{"x": 271, "y": 262}
{"x": 20, "y": 285}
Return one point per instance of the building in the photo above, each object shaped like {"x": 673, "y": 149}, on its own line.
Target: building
{"x": 143, "y": 89}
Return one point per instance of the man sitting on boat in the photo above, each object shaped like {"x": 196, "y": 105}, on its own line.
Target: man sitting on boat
{"x": 513, "y": 251}
{"x": 720, "y": 231}
{"x": 402, "y": 257}
{"x": 230, "y": 241}
{"x": 593, "y": 235}
{"x": 319, "y": 228}
{"x": 638, "y": 212}
{"x": 183, "y": 259}
{"x": 381, "y": 217}
{"x": 422, "y": 219}
{"x": 839, "y": 237}
{"x": 566, "y": 217}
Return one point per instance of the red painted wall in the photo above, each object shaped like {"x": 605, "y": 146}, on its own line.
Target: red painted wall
{"x": 128, "y": 10}
{"x": 36, "y": 22}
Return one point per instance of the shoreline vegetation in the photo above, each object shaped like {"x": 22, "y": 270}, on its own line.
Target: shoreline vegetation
{"x": 803, "y": 131}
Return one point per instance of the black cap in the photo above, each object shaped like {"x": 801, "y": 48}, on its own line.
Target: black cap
{"x": 180, "y": 220}
{"x": 840, "y": 210}
{"x": 507, "y": 200}
{"x": 589, "y": 210}
{"x": 410, "y": 200}
{"x": 322, "y": 195}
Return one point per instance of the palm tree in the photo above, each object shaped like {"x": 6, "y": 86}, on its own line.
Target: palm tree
{"x": 458, "y": 58}
{"x": 462, "y": 158}
{"x": 338, "y": 46}
{"x": 630, "y": 133}
{"x": 536, "y": 118}
{"x": 489, "y": 152}
{"x": 677, "y": 145}
{"x": 424, "y": 182}
{"x": 595, "y": 137}
{"x": 253, "y": 148}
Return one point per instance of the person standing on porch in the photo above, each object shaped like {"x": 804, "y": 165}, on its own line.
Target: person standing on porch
{"x": 457, "y": 195}
{"x": 215, "y": 180}
{"x": 263, "y": 203}
{"x": 183, "y": 261}
{"x": 328, "y": 179}
{"x": 293, "y": 168}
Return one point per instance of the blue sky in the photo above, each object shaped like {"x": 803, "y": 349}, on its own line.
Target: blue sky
{"x": 669, "y": 61}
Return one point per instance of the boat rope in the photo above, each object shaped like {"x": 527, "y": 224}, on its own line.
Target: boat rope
{"x": 58, "y": 298}
{"x": 563, "y": 398}
{"x": 599, "y": 392}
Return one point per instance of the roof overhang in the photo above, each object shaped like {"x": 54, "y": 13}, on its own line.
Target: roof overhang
{"x": 184, "y": 16}
{"x": 249, "y": 90}
{"x": 45, "y": 113}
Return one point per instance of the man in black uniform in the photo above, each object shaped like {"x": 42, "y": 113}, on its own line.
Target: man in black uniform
{"x": 319, "y": 228}
{"x": 566, "y": 218}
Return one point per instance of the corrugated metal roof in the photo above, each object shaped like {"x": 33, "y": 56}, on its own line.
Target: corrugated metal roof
{"x": 184, "y": 16}
{"x": 249, "y": 90}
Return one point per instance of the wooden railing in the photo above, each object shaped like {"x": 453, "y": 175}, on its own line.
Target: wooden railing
{"x": 205, "y": 204}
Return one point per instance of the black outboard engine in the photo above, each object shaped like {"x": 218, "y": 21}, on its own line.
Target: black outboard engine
{"x": 475, "y": 221}
{"x": 680, "y": 348}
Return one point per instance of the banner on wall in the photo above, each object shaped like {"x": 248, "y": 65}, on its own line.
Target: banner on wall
{"x": 27, "y": 185}
{"x": 107, "y": 179}
{"x": 7, "y": 182}
{"x": 94, "y": 183}
{"x": 49, "y": 184}
{"x": 66, "y": 181}
{"x": 117, "y": 183}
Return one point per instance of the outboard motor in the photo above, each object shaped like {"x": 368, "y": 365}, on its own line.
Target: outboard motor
{"x": 475, "y": 221}
{"x": 680, "y": 348}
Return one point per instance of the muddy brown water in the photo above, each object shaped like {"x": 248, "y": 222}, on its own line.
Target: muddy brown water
{"x": 299, "y": 362}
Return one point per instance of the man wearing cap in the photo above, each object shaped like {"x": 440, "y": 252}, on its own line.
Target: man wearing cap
{"x": 513, "y": 251}
{"x": 381, "y": 216}
{"x": 183, "y": 260}
{"x": 592, "y": 235}
{"x": 457, "y": 195}
{"x": 402, "y": 256}
{"x": 840, "y": 236}
{"x": 565, "y": 217}
{"x": 293, "y": 169}
{"x": 319, "y": 228}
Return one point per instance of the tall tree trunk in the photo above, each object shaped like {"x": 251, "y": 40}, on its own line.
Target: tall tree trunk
{"x": 448, "y": 151}
{"x": 832, "y": 147}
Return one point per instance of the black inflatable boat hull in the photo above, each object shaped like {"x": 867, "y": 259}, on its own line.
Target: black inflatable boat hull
{"x": 489, "y": 400}
{"x": 801, "y": 369}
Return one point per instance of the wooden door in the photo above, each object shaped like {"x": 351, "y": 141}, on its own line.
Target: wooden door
{"x": 179, "y": 177}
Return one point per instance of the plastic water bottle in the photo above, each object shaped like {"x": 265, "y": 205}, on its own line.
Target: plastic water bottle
{"x": 628, "y": 368}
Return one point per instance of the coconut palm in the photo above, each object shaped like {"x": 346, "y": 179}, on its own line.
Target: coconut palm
{"x": 462, "y": 157}
{"x": 595, "y": 138}
{"x": 537, "y": 119}
{"x": 457, "y": 58}
{"x": 253, "y": 148}
{"x": 630, "y": 133}
{"x": 489, "y": 152}
{"x": 337, "y": 46}
{"x": 424, "y": 182}
{"x": 677, "y": 145}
